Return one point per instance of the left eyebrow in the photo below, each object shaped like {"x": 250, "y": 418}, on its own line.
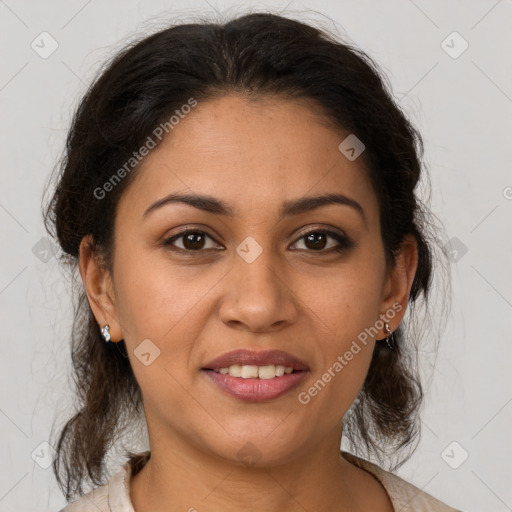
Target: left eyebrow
{"x": 307, "y": 204}
{"x": 210, "y": 204}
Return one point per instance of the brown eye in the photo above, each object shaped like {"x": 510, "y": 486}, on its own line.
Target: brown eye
{"x": 191, "y": 240}
{"x": 317, "y": 241}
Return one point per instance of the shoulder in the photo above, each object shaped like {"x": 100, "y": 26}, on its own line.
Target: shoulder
{"x": 114, "y": 496}
{"x": 404, "y": 496}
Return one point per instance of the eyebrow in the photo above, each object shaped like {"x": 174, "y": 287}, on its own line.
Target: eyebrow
{"x": 210, "y": 204}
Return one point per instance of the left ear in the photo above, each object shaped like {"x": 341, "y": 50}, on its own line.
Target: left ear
{"x": 397, "y": 286}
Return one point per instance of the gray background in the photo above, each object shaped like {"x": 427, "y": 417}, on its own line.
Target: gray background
{"x": 462, "y": 104}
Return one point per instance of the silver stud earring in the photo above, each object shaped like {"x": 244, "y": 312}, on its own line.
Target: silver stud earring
{"x": 390, "y": 338}
{"x": 105, "y": 333}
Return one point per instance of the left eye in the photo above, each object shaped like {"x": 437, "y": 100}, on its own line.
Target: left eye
{"x": 316, "y": 241}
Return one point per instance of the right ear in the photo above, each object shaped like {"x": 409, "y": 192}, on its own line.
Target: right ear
{"x": 98, "y": 286}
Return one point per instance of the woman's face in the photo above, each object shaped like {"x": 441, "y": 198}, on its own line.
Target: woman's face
{"x": 250, "y": 278}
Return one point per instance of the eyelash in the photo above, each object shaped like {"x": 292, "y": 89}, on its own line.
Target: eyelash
{"x": 344, "y": 242}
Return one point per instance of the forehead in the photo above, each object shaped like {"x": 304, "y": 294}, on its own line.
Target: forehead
{"x": 250, "y": 153}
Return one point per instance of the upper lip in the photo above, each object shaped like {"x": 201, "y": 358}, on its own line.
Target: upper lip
{"x": 257, "y": 358}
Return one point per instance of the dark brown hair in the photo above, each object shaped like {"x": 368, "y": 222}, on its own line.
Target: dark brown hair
{"x": 253, "y": 55}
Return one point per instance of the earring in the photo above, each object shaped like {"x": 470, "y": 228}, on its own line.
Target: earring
{"x": 390, "y": 338}
{"x": 105, "y": 333}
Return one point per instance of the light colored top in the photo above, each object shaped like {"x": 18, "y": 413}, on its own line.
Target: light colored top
{"x": 114, "y": 496}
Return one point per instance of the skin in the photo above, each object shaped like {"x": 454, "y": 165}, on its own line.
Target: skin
{"x": 254, "y": 155}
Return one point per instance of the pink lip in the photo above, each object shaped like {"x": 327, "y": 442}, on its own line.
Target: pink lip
{"x": 256, "y": 390}
{"x": 258, "y": 358}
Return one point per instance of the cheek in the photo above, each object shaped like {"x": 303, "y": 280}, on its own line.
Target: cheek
{"x": 332, "y": 389}
{"x": 154, "y": 297}
{"x": 168, "y": 306}
{"x": 348, "y": 300}
{"x": 335, "y": 384}
{"x": 346, "y": 307}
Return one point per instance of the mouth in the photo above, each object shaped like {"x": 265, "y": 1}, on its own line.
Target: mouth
{"x": 256, "y": 376}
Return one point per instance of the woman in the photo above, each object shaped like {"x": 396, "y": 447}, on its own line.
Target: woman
{"x": 240, "y": 202}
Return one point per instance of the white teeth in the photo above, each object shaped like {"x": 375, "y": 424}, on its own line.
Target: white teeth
{"x": 249, "y": 371}
{"x": 235, "y": 370}
{"x": 268, "y": 372}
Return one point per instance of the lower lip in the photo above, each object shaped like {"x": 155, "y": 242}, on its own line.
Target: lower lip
{"x": 256, "y": 390}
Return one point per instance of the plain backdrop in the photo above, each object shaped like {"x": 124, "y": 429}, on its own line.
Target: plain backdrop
{"x": 449, "y": 64}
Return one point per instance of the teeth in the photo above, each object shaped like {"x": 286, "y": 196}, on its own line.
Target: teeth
{"x": 247, "y": 371}
{"x": 268, "y": 372}
{"x": 235, "y": 370}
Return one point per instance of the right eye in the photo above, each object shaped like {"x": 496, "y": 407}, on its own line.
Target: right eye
{"x": 193, "y": 240}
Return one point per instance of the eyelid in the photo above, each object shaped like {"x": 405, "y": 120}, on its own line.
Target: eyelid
{"x": 322, "y": 229}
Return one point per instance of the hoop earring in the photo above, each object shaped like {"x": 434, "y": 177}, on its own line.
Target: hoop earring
{"x": 390, "y": 338}
{"x": 105, "y": 333}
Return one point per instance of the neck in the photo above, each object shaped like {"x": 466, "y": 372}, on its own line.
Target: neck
{"x": 319, "y": 479}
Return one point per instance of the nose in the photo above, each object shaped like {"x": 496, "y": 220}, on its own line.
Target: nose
{"x": 258, "y": 295}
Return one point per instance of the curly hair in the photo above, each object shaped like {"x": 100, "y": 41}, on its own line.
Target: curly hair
{"x": 252, "y": 55}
